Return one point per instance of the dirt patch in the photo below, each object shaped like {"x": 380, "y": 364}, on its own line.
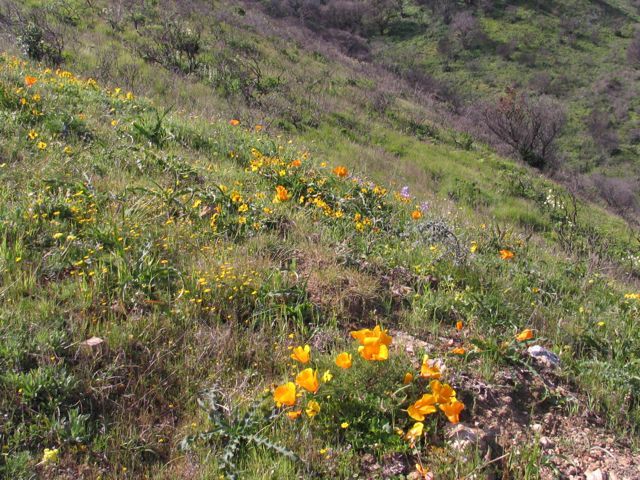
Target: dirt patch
{"x": 521, "y": 408}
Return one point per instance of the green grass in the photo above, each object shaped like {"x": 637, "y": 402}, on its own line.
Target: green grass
{"x": 159, "y": 235}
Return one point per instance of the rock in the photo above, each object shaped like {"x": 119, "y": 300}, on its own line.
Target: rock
{"x": 547, "y": 443}
{"x": 462, "y": 437}
{"x": 410, "y": 344}
{"x": 543, "y": 356}
{"x": 596, "y": 475}
{"x": 92, "y": 342}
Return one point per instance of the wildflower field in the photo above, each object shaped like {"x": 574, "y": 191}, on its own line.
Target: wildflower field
{"x": 203, "y": 276}
{"x": 191, "y": 299}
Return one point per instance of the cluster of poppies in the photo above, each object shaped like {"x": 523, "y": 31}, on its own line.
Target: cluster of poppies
{"x": 442, "y": 397}
{"x": 373, "y": 347}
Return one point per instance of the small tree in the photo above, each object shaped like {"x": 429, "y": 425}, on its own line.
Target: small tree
{"x": 174, "y": 45}
{"x": 466, "y": 28}
{"x": 529, "y": 126}
{"x": 442, "y": 8}
{"x": 380, "y": 13}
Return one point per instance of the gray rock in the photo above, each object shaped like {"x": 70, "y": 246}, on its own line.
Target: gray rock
{"x": 543, "y": 356}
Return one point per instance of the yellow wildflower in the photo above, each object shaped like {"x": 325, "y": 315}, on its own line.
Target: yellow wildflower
{"x": 50, "y": 455}
{"x": 313, "y": 408}
{"x": 429, "y": 369}
{"x": 302, "y": 354}
{"x": 415, "y": 432}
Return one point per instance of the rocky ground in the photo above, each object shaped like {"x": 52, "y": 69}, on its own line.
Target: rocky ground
{"x": 534, "y": 408}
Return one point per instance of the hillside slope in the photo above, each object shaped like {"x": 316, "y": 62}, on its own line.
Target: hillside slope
{"x": 161, "y": 259}
{"x": 584, "y": 54}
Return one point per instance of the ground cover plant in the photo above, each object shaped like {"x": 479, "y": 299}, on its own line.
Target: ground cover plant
{"x": 244, "y": 273}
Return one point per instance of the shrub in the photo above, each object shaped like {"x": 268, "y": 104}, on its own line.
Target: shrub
{"x": 600, "y": 128}
{"x": 617, "y": 192}
{"x": 40, "y": 45}
{"x": 467, "y": 30}
{"x": 442, "y": 8}
{"x": 344, "y": 15}
{"x": 529, "y": 126}
{"x": 174, "y": 45}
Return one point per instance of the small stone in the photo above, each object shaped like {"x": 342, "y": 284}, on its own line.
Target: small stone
{"x": 596, "y": 475}
{"x": 92, "y": 342}
{"x": 462, "y": 437}
{"x": 543, "y": 356}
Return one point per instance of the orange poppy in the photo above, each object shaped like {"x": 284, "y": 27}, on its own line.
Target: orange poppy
{"x": 341, "y": 171}
{"x": 344, "y": 360}
{"x": 526, "y": 334}
{"x": 506, "y": 254}
{"x": 452, "y": 410}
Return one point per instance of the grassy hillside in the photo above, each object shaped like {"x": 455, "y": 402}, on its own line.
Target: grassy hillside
{"x": 161, "y": 259}
{"x": 575, "y": 50}
{"x": 584, "y": 54}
